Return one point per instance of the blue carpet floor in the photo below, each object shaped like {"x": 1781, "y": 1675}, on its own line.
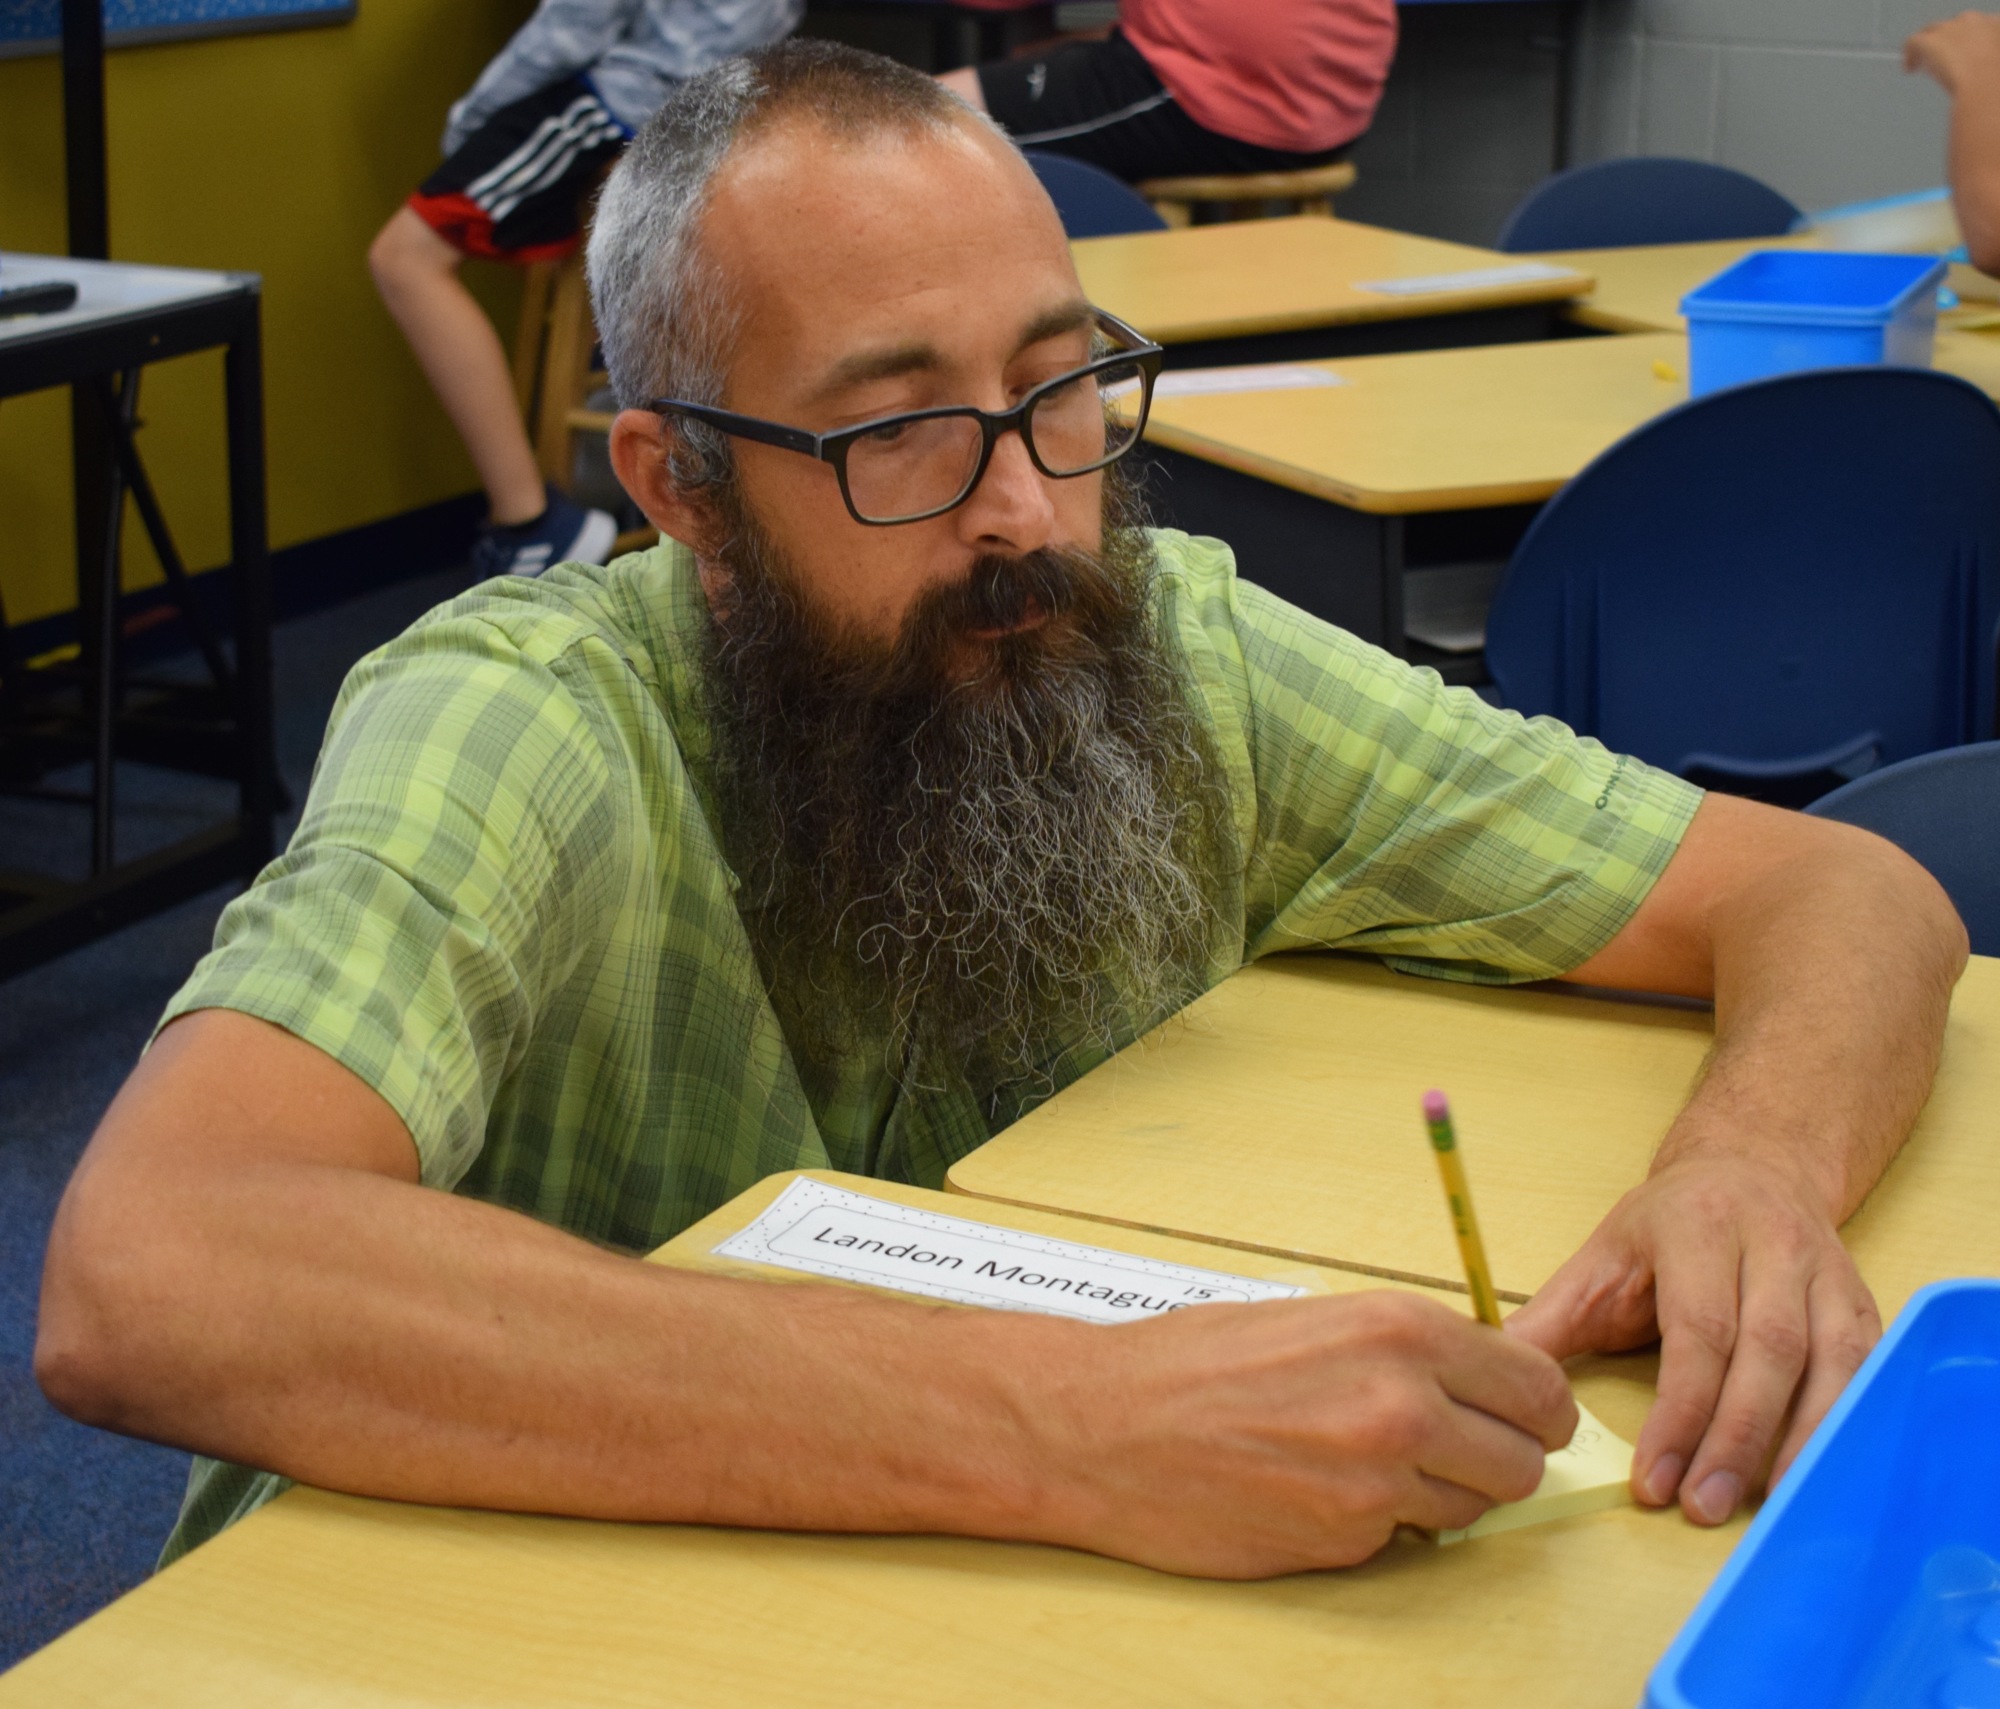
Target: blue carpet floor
{"x": 82, "y": 1512}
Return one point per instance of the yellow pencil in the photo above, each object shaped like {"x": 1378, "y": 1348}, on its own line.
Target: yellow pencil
{"x": 1471, "y": 1249}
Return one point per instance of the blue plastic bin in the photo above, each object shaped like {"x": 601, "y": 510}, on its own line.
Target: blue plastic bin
{"x": 1872, "y": 1577}
{"x": 1779, "y": 310}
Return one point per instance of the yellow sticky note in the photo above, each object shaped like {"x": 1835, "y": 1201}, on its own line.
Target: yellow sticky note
{"x": 1594, "y": 1471}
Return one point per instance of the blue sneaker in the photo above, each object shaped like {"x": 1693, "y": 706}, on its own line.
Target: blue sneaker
{"x": 564, "y": 533}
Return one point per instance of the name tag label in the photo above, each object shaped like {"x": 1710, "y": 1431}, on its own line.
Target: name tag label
{"x": 823, "y": 1230}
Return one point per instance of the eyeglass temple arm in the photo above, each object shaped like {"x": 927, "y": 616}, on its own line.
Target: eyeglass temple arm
{"x": 1141, "y": 344}
{"x": 742, "y": 426}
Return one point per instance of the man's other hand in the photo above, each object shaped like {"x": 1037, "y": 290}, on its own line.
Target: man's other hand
{"x": 1245, "y": 1441}
{"x": 1760, "y": 1314}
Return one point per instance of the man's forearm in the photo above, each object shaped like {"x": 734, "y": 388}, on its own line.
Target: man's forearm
{"x": 381, "y": 1338}
{"x": 1832, "y": 983}
{"x": 373, "y": 1336}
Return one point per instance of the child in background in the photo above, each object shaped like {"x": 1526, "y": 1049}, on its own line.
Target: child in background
{"x": 541, "y": 126}
{"x": 1193, "y": 87}
{"x": 1963, "y": 54}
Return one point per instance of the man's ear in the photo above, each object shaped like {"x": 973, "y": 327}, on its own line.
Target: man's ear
{"x": 640, "y": 442}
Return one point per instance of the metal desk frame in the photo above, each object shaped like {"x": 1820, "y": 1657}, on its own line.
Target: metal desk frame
{"x": 40, "y": 917}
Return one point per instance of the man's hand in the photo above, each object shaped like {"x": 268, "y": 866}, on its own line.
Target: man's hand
{"x": 1760, "y": 1314}
{"x": 1830, "y": 955}
{"x": 1243, "y": 1441}
{"x": 1957, "y": 49}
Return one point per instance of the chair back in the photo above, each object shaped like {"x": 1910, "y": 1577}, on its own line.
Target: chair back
{"x": 1091, "y": 202}
{"x": 1943, "y": 810}
{"x": 1771, "y": 587}
{"x": 1616, "y": 204}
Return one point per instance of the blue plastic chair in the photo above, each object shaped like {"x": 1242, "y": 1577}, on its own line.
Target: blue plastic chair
{"x": 1943, "y": 810}
{"x": 1091, "y": 202}
{"x": 1772, "y": 588}
{"x": 1616, "y": 204}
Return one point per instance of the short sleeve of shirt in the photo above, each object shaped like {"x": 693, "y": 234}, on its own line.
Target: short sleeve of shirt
{"x": 1414, "y": 821}
{"x": 458, "y": 847}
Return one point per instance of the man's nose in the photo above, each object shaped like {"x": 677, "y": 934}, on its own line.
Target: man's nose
{"x": 1011, "y": 510}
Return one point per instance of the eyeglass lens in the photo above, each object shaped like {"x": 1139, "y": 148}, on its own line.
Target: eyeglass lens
{"x": 912, "y": 468}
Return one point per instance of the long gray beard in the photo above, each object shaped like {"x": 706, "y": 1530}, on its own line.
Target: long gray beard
{"x": 976, "y": 875}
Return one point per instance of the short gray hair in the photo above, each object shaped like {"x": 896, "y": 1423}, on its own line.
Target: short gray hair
{"x": 665, "y": 316}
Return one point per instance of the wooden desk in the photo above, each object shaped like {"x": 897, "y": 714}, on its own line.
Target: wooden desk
{"x": 1264, "y": 290}
{"x": 1312, "y": 487}
{"x": 323, "y": 1600}
{"x": 1280, "y": 1114}
{"x": 1640, "y": 290}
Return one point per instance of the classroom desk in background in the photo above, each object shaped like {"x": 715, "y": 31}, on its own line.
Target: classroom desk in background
{"x": 1280, "y": 1114}
{"x": 96, "y": 711}
{"x": 1299, "y": 288}
{"x": 332, "y": 1600}
{"x": 1640, "y": 290}
{"x": 1327, "y": 494}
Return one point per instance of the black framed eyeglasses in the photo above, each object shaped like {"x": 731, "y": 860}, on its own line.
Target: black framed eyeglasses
{"x": 924, "y": 462}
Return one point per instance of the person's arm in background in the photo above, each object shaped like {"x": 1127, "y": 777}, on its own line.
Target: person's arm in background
{"x": 562, "y": 38}
{"x": 1830, "y": 956}
{"x": 1963, "y": 54}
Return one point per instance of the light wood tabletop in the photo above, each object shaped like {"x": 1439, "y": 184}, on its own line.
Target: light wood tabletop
{"x": 1280, "y": 1113}
{"x": 1436, "y": 429}
{"x": 1264, "y": 276}
{"x": 1640, "y": 290}
{"x": 321, "y": 1599}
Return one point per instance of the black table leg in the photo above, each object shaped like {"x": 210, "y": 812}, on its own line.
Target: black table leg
{"x": 249, "y": 554}
{"x": 100, "y": 518}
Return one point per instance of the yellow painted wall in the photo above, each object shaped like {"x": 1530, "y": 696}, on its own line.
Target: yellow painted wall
{"x": 275, "y": 154}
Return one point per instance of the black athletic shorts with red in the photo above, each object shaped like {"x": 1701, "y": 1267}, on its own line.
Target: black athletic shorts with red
{"x": 514, "y": 189}
{"x": 1101, "y": 102}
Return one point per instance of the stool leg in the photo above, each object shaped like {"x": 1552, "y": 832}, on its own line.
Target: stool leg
{"x": 565, "y": 368}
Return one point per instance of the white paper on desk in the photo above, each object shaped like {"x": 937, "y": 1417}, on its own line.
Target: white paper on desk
{"x": 1251, "y": 377}
{"x": 1472, "y": 279}
{"x": 825, "y": 1230}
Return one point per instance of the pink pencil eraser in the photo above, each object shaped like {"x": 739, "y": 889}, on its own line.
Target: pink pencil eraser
{"x": 1435, "y": 1108}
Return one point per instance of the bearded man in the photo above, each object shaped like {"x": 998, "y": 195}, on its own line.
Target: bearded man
{"x": 919, "y": 779}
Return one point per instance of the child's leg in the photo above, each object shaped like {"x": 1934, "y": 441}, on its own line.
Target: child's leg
{"x": 417, "y": 273}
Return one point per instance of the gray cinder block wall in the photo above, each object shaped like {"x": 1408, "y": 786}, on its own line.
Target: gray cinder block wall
{"x": 1808, "y": 95}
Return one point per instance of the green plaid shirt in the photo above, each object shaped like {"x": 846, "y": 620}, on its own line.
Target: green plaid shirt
{"x": 506, "y": 911}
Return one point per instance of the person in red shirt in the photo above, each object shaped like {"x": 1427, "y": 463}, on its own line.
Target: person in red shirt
{"x": 1182, "y": 87}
